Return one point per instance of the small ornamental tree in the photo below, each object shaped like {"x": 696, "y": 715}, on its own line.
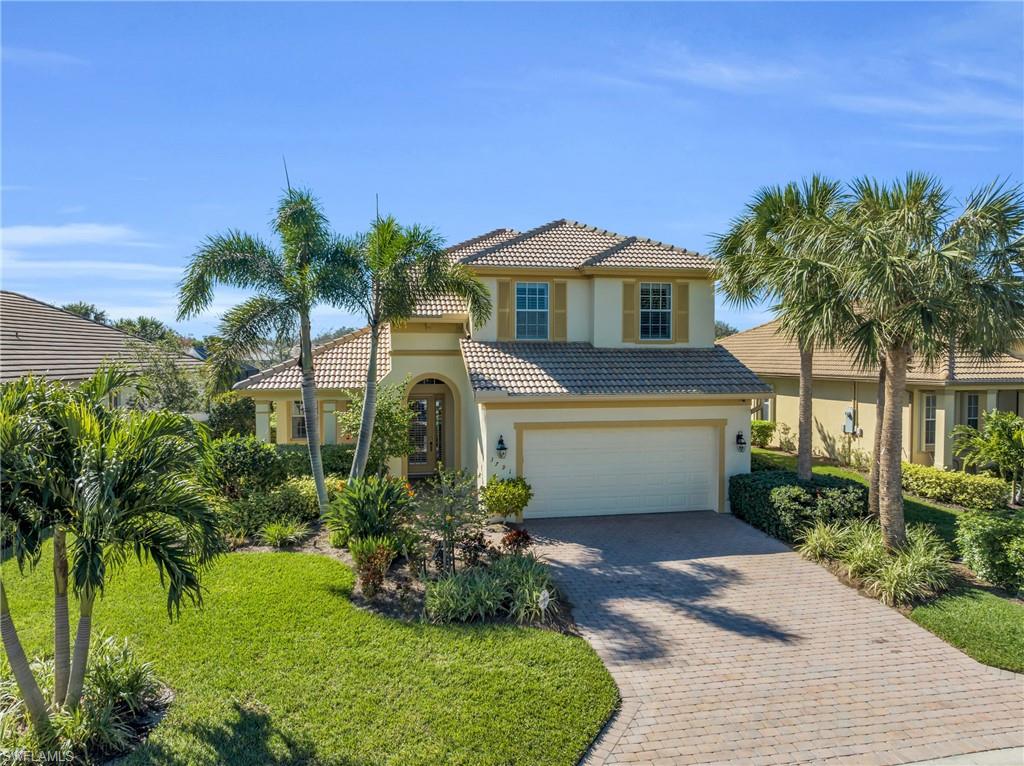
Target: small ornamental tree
{"x": 232, "y": 413}
{"x": 391, "y": 422}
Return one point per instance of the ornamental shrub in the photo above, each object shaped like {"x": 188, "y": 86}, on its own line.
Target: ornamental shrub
{"x": 984, "y": 493}
{"x": 238, "y": 465}
{"x": 506, "y": 497}
{"x": 761, "y": 432}
{"x": 370, "y": 506}
{"x": 759, "y": 462}
{"x": 232, "y": 413}
{"x": 294, "y": 499}
{"x": 519, "y": 584}
{"x": 337, "y": 459}
{"x": 992, "y": 545}
{"x": 372, "y": 556}
{"x": 917, "y": 571}
{"x": 284, "y": 533}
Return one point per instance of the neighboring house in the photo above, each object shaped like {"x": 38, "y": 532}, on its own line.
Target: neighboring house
{"x": 597, "y": 377}
{"x": 43, "y": 340}
{"x": 958, "y": 391}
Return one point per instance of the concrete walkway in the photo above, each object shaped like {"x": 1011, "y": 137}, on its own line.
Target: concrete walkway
{"x": 729, "y": 648}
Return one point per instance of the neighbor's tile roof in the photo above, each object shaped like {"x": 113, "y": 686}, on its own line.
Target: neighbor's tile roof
{"x": 572, "y": 245}
{"x": 340, "y": 363}
{"x": 566, "y": 369}
{"x": 768, "y": 352}
{"x": 39, "y": 339}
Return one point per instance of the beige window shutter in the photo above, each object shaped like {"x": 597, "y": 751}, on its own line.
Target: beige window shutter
{"x": 506, "y": 318}
{"x": 629, "y": 317}
{"x": 559, "y": 324}
{"x": 681, "y": 312}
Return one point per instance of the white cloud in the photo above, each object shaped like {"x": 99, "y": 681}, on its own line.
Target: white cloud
{"x": 70, "y": 234}
{"x": 933, "y": 103}
{"x": 680, "y": 63}
{"x": 45, "y": 59}
{"x": 16, "y": 265}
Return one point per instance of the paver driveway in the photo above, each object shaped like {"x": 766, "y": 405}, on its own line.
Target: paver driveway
{"x": 730, "y": 648}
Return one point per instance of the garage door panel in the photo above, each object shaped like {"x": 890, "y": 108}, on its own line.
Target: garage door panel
{"x": 602, "y": 470}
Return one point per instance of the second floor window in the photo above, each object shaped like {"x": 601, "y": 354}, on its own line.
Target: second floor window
{"x": 929, "y": 420}
{"x": 973, "y": 410}
{"x": 298, "y": 421}
{"x": 531, "y": 311}
{"x": 655, "y": 311}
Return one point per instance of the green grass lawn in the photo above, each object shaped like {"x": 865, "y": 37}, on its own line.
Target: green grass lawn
{"x": 279, "y": 667}
{"x": 981, "y": 624}
{"x": 916, "y": 510}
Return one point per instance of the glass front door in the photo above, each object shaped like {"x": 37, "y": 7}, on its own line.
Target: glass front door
{"x": 426, "y": 432}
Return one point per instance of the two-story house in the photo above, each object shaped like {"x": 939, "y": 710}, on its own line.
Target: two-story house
{"x": 597, "y": 377}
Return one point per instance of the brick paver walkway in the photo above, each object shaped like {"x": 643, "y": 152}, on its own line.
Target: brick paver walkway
{"x": 729, "y": 648}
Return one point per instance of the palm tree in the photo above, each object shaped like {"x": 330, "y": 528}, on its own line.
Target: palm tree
{"x": 309, "y": 269}
{"x": 395, "y": 268}
{"x": 929, "y": 283}
{"x": 775, "y": 252}
{"x": 999, "y": 445}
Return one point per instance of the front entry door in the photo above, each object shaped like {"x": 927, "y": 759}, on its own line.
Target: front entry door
{"x": 426, "y": 433}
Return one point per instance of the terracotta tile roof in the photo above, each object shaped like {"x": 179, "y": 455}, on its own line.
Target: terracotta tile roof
{"x": 768, "y": 352}
{"x": 340, "y": 363}
{"x": 444, "y": 305}
{"x": 566, "y": 369}
{"x": 40, "y": 339}
{"x": 573, "y": 245}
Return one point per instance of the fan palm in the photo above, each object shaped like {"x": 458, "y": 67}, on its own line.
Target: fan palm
{"x": 778, "y": 251}
{"x": 308, "y": 270}
{"x": 394, "y": 269}
{"x": 927, "y": 282}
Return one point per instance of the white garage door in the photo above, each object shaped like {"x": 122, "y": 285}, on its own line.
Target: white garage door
{"x": 601, "y": 470}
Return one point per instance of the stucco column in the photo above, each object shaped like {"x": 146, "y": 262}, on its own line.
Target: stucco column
{"x": 945, "y": 419}
{"x": 263, "y": 421}
{"x": 330, "y": 423}
{"x": 283, "y": 409}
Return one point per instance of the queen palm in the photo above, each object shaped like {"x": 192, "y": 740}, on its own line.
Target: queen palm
{"x": 309, "y": 269}
{"x": 394, "y": 268}
{"x": 929, "y": 282}
{"x": 778, "y": 251}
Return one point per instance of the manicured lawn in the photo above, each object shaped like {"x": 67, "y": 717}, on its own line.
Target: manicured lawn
{"x": 280, "y": 668}
{"x": 916, "y": 510}
{"x": 981, "y": 624}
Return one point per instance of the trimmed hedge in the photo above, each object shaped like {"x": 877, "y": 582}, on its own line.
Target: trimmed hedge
{"x": 294, "y": 499}
{"x": 778, "y": 503}
{"x": 761, "y": 432}
{"x": 337, "y": 458}
{"x": 759, "y": 462}
{"x": 992, "y": 545}
{"x": 984, "y": 493}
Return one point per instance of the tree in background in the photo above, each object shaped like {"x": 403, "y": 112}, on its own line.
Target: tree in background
{"x": 232, "y": 413}
{"x": 394, "y": 268}
{"x": 998, "y": 446}
{"x": 89, "y": 311}
{"x": 772, "y": 252}
{"x": 147, "y": 328}
{"x": 167, "y": 382}
{"x": 329, "y": 335}
{"x": 391, "y": 424}
{"x": 724, "y": 329}
{"x": 311, "y": 268}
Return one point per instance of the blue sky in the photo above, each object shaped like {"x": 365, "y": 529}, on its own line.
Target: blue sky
{"x": 131, "y": 131}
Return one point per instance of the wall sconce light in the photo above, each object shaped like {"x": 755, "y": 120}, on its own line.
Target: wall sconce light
{"x": 741, "y": 443}
{"x": 502, "y": 449}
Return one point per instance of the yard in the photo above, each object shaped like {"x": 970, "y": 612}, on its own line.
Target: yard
{"x": 280, "y": 667}
{"x": 978, "y": 620}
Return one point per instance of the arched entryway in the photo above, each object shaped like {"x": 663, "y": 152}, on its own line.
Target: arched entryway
{"x": 434, "y": 430}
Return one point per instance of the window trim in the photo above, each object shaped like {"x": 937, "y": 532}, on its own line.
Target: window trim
{"x": 669, "y": 310}
{"x": 925, "y": 420}
{"x": 546, "y": 309}
{"x": 298, "y": 417}
{"x": 977, "y": 409}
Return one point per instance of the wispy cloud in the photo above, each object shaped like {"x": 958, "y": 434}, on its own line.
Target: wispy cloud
{"x": 950, "y": 146}
{"x": 16, "y": 265}
{"x": 933, "y": 103}
{"x": 71, "y": 234}
{"x": 42, "y": 59}
{"x": 730, "y": 73}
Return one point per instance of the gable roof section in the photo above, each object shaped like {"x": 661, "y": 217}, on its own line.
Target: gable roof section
{"x": 565, "y": 244}
{"x": 580, "y": 369}
{"x": 39, "y": 339}
{"x": 338, "y": 364}
{"x": 768, "y": 352}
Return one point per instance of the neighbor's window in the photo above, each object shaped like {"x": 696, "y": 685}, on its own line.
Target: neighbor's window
{"x": 973, "y": 410}
{"x": 531, "y": 310}
{"x": 929, "y": 420}
{"x": 655, "y": 311}
{"x": 298, "y": 421}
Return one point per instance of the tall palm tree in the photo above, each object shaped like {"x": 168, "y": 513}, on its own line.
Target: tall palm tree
{"x": 309, "y": 269}
{"x": 777, "y": 251}
{"x": 930, "y": 283}
{"x": 395, "y": 268}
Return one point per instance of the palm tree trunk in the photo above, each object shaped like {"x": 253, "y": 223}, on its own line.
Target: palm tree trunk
{"x": 890, "y": 468}
{"x": 27, "y": 684}
{"x": 803, "y": 454}
{"x": 80, "y": 658}
{"x": 369, "y": 409}
{"x": 876, "y": 452}
{"x": 61, "y": 629}
{"x": 309, "y": 411}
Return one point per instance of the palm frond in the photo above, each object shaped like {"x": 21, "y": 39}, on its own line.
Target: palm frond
{"x": 234, "y": 259}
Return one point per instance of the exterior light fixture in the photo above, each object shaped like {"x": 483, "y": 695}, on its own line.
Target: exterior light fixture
{"x": 741, "y": 443}
{"x": 501, "y": 448}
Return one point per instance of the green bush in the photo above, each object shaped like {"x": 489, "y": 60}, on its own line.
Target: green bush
{"x": 778, "y": 503}
{"x": 759, "y": 462}
{"x": 532, "y": 596}
{"x": 234, "y": 466}
{"x": 338, "y": 538}
{"x": 863, "y": 551}
{"x": 992, "y": 545}
{"x": 761, "y": 432}
{"x": 372, "y": 556}
{"x": 823, "y": 540}
{"x": 232, "y": 413}
{"x": 370, "y": 506}
{"x": 506, "y": 497}
{"x": 337, "y": 459}
{"x": 284, "y": 533}
{"x": 984, "y": 493}
{"x": 917, "y": 571}
{"x": 294, "y": 499}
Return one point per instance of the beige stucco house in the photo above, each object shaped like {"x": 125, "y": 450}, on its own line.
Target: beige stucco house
{"x": 958, "y": 391}
{"x": 597, "y": 377}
